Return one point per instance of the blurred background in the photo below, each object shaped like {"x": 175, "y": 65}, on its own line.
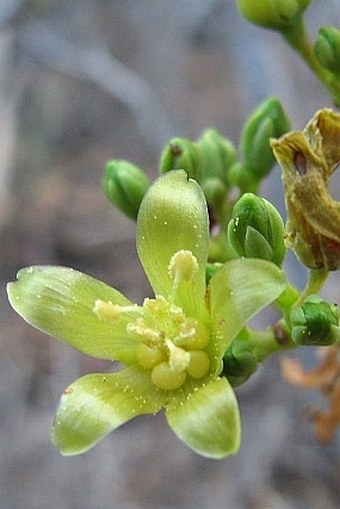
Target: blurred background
{"x": 82, "y": 82}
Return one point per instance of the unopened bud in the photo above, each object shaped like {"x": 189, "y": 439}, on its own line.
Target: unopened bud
{"x": 125, "y": 185}
{"x": 327, "y": 48}
{"x": 181, "y": 154}
{"x": 275, "y": 14}
{"x": 267, "y": 121}
{"x": 238, "y": 366}
{"x": 216, "y": 155}
{"x": 315, "y": 322}
{"x": 256, "y": 229}
{"x": 215, "y": 192}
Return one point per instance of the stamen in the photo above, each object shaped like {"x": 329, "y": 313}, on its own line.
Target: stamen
{"x": 109, "y": 311}
{"x": 183, "y": 264}
{"x": 182, "y": 267}
{"x": 139, "y": 328}
{"x": 184, "y": 335}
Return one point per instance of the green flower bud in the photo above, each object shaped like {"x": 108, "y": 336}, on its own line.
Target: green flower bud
{"x": 275, "y": 14}
{"x": 181, "y": 154}
{"x": 256, "y": 229}
{"x": 240, "y": 176}
{"x": 238, "y": 366}
{"x": 327, "y": 48}
{"x": 215, "y": 192}
{"x": 125, "y": 185}
{"x": 267, "y": 121}
{"x": 315, "y": 322}
{"x": 217, "y": 154}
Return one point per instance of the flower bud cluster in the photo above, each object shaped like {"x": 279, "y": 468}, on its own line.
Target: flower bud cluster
{"x": 211, "y": 160}
{"x": 207, "y": 160}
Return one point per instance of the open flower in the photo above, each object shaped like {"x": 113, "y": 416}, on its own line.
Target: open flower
{"x": 171, "y": 346}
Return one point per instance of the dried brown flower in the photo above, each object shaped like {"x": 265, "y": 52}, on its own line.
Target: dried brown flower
{"x": 308, "y": 159}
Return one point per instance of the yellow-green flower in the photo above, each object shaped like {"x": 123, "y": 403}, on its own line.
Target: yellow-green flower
{"x": 171, "y": 346}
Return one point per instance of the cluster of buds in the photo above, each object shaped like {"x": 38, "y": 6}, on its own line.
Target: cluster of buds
{"x": 207, "y": 160}
{"x": 212, "y": 161}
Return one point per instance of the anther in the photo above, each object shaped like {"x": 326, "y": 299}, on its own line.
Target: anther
{"x": 109, "y": 311}
{"x": 183, "y": 265}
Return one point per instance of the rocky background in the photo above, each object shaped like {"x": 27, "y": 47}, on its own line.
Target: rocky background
{"x": 82, "y": 82}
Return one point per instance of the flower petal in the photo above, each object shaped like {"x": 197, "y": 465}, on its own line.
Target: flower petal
{"x": 172, "y": 217}
{"x": 323, "y": 134}
{"x": 208, "y": 420}
{"x": 96, "y": 404}
{"x": 60, "y": 302}
{"x": 239, "y": 290}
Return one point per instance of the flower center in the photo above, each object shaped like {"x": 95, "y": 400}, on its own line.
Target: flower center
{"x": 170, "y": 344}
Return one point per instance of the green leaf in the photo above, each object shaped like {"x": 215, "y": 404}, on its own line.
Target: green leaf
{"x": 238, "y": 291}
{"x": 96, "y": 404}
{"x": 173, "y": 216}
{"x": 60, "y": 302}
{"x": 208, "y": 420}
